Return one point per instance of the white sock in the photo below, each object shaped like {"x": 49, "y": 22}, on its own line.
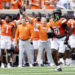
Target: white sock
{"x": 58, "y": 67}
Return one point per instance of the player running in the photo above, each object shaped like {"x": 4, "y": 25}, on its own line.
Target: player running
{"x": 59, "y": 26}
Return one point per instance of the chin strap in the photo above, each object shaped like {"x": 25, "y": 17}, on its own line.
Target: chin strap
{"x": 57, "y": 18}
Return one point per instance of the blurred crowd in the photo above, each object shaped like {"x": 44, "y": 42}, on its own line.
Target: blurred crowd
{"x": 37, "y": 4}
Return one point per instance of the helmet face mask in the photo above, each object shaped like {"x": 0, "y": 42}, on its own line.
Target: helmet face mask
{"x": 57, "y": 13}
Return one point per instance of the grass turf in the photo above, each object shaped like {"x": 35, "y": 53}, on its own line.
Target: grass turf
{"x": 67, "y": 70}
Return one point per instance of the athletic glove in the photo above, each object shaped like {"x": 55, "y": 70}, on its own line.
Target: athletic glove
{"x": 21, "y": 10}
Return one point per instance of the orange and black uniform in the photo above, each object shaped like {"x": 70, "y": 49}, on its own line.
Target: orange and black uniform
{"x": 57, "y": 26}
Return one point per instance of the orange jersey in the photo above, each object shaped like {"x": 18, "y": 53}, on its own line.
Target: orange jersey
{"x": 57, "y": 26}
{"x": 14, "y": 6}
{"x": 7, "y": 29}
{"x": 23, "y": 32}
{"x": 71, "y": 23}
{"x": 35, "y": 33}
{"x": 1, "y": 4}
{"x": 48, "y": 5}
{"x": 43, "y": 32}
{"x": 36, "y": 2}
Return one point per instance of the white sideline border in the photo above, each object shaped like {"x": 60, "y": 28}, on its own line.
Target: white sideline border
{"x": 29, "y": 11}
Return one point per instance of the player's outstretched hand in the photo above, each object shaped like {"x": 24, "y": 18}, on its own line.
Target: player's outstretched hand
{"x": 22, "y": 9}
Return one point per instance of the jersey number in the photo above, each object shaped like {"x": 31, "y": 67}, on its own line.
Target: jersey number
{"x": 56, "y": 31}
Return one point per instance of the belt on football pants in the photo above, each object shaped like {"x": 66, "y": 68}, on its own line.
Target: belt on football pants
{"x": 60, "y": 36}
{"x": 24, "y": 40}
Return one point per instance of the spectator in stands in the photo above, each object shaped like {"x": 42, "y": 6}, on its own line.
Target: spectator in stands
{"x": 15, "y": 4}
{"x": 25, "y": 3}
{"x": 7, "y": 5}
{"x": 73, "y": 4}
{"x": 64, "y": 4}
{"x": 35, "y": 4}
{"x": 1, "y": 6}
{"x": 49, "y": 4}
{"x": 6, "y": 1}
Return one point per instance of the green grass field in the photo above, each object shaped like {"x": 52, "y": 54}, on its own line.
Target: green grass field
{"x": 67, "y": 70}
